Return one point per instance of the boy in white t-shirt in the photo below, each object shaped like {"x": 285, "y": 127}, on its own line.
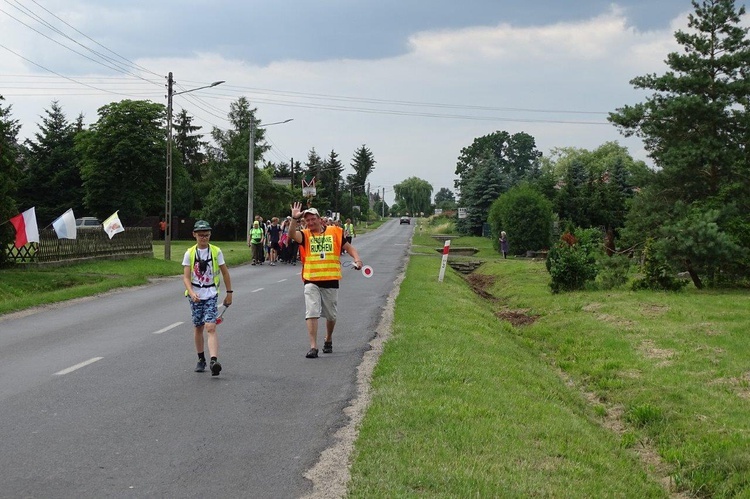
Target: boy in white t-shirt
{"x": 202, "y": 265}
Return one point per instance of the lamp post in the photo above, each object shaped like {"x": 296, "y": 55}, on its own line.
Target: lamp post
{"x": 251, "y": 170}
{"x": 168, "y": 201}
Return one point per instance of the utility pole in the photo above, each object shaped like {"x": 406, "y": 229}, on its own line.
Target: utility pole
{"x": 250, "y": 177}
{"x": 292, "y": 168}
{"x": 168, "y": 202}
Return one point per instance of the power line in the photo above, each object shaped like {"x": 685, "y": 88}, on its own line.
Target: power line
{"x": 315, "y": 96}
{"x": 56, "y": 73}
{"x": 94, "y": 41}
{"x": 425, "y": 114}
{"x": 113, "y": 66}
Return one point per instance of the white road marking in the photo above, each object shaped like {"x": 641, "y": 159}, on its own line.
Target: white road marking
{"x": 256, "y": 290}
{"x": 171, "y": 326}
{"x": 281, "y": 280}
{"x": 78, "y": 366}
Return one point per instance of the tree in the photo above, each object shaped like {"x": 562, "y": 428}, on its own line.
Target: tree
{"x": 445, "y": 199}
{"x": 594, "y": 188}
{"x": 9, "y": 157}
{"x": 696, "y": 124}
{"x": 313, "y": 166}
{"x": 479, "y": 194}
{"x": 52, "y": 179}
{"x": 363, "y": 163}
{"x": 415, "y": 194}
{"x": 515, "y": 155}
{"x": 122, "y": 164}
{"x": 329, "y": 183}
{"x": 225, "y": 203}
{"x": 189, "y": 148}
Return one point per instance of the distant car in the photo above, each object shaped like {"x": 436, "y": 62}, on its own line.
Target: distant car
{"x": 88, "y": 223}
{"x": 405, "y": 220}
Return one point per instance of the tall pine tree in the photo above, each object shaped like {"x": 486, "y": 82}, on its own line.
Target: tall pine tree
{"x": 696, "y": 127}
{"x": 52, "y": 180}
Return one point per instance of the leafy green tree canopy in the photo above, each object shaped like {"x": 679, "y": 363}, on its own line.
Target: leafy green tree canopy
{"x": 515, "y": 155}
{"x": 415, "y": 194}
{"x": 123, "y": 160}
{"x": 445, "y": 199}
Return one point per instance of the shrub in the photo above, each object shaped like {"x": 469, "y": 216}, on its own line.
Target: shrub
{"x": 572, "y": 261}
{"x": 612, "y": 271}
{"x": 525, "y": 215}
{"x": 658, "y": 275}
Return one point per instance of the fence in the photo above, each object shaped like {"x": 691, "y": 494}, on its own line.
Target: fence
{"x": 89, "y": 244}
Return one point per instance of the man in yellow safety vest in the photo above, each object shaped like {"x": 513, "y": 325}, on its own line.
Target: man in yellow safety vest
{"x": 321, "y": 271}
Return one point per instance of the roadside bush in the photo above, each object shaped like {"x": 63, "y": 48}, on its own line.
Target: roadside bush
{"x": 526, "y": 215}
{"x": 572, "y": 261}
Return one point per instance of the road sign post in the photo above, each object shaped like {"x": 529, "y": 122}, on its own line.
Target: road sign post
{"x": 446, "y": 250}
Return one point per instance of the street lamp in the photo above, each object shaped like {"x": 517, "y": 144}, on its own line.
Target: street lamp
{"x": 251, "y": 170}
{"x": 168, "y": 202}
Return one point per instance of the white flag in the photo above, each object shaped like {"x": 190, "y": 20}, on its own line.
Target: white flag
{"x": 65, "y": 225}
{"x": 112, "y": 225}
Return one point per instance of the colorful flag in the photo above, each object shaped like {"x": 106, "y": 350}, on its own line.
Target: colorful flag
{"x": 26, "y": 229}
{"x": 65, "y": 225}
{"x": 112, "y": 225}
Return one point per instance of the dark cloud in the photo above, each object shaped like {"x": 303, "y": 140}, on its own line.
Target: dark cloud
{"x": 260, "y": 32}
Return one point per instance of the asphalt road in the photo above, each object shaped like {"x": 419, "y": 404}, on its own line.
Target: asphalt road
{"x": 98, "y": 397}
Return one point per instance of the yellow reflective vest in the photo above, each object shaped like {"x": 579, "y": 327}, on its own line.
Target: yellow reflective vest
{"x": 322, "y": 253}
{"x": 214, "y": 263}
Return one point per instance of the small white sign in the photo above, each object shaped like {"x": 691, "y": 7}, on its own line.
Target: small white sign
{"x": 462, "y": 213}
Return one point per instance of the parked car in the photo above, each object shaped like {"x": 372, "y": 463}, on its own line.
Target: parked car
{"x": 405, "y": 220}
{"x": 88, "y": 223}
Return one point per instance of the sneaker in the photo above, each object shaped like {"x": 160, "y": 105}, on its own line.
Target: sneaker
{"x": 312, "y": 354}
{"x": 215, "y": 368}
{"x": 328, "y": 347}
{"x": 201, "y": 367}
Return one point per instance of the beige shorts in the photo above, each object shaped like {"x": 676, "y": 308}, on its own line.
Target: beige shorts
{"x": 320, "y": 302}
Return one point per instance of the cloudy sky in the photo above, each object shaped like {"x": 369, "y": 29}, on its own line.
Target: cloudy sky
{"x": 413, "y": 80}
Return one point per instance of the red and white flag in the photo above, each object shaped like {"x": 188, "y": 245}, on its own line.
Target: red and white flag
{"x": 26, "y": 228}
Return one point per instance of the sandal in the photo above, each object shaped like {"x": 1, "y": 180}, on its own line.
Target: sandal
{"x": 312, "y": 354}
{"x": 328, "y": 347}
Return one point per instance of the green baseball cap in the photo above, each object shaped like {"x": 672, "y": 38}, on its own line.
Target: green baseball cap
{"x": 201, "y": 225}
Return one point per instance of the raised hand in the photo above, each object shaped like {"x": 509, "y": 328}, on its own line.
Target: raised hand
{"x": 296, "y": 209}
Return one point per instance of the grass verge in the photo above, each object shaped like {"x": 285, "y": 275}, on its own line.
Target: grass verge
{"x": 31, "y": 286}
{"x": 460, "y": 408}
{"x": 613, "y": 394}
